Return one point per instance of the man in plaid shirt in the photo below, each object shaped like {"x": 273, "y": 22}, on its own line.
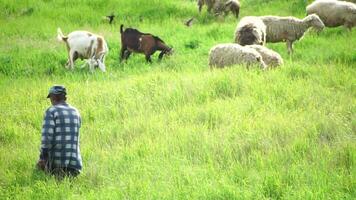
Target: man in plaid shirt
{"x": 60, "y": 154}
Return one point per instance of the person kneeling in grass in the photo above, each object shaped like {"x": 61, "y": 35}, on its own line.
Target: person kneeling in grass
{"x": 60, "y": 154}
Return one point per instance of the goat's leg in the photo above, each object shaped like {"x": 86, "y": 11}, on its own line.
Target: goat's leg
{"x": 127, "y": 54}
{"x": 122, "y": 53}
{"x": 72, "y": 57}
{"x": 91, "y": 64}
{"x": 148, "y": 58}
{"x": 160, "y": 56}
{"x": 70, "y": 60}
{"x": 101, "y": 63}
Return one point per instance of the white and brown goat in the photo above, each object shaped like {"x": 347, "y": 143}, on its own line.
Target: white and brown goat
{"x": 85, "y": 45}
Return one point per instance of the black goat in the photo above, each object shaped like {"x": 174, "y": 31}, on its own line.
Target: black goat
{"x": 133, "y": 40}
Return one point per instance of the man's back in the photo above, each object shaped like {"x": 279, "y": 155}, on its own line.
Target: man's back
{"x": 60, "y": 137}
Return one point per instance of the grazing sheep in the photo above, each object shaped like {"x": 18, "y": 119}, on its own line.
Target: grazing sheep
{"x": 334, "y": 13}
{"x": 223, "y": 55}
{"x": 219, "y": 7}
{"x": 289, "y": 29}
{"x": 133, "y": 40}
{"x": 85, "y": 45}
{"x": 270, "y": 57}
{"x": 250, "y": 30}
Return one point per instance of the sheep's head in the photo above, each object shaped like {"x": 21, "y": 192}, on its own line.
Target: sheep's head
{"x": 261, "y": 63}
{"x": 314, "y": 21}
{"x": 258, "y": 34}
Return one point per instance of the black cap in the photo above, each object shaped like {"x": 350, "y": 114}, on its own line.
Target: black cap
{"x": 57, "y": 89}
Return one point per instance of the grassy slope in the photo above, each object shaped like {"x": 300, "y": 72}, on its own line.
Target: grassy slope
{"x": 176, "y": 130}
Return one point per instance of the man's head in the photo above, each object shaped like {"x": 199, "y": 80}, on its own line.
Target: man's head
{"x": 57, "y": 94}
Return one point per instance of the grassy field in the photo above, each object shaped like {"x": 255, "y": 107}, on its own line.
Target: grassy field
{"x": 175, "y": 129}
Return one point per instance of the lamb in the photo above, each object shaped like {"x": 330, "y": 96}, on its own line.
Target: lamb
{"x": 334, "y": 13}
{"x": 289, "y": 29}
{"x": 133, "y": 40}
{"x": 270, "y": 57}
{"x": 250, "y": 30}
{"x": 223, "y": 55}
{"x": 85, "y": 45}
{"x": 221, "y": 6}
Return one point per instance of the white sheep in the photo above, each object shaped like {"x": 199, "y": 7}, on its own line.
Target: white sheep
{"x": 289, "y": 29}
{"x": 250, "y": 30}
{"x": 270, "y": 57}
{"x": 223, "y": 55}
{"x": 334, "y": 13}
{"x": 219, "y": 7}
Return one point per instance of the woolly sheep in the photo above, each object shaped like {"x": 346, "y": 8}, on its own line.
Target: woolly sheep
{"x": 289, "y": 29}
{"x": 223, "y": 55}
{"x": 270, "y": 57}
{"x": 250, "y": 30}
{"x": 220, "y": 6}
{"x": 334, "y": 13}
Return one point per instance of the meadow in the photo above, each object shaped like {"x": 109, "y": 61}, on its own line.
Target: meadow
{"x": 176, "y": 129}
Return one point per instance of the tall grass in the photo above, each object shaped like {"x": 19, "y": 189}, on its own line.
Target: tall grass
{"x": 175, "y": 129}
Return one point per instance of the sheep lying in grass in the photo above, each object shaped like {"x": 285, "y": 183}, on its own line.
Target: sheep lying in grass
{"x": 223, "y": 55}
{"x": 218, "y": 7}
{"x": 250, "y": 30}
{"x": 334, "y": 13}
{"x": 289, "y": 29}
{"x": 270, "y": 57}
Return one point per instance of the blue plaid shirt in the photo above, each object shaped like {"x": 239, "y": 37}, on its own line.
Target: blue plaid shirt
{"x": 60, "y": 137}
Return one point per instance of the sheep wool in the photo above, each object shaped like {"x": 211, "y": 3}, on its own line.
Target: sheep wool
{"x": 250, "y": 30}
{"x": 289, "y": 29}
{"x": 334, "y": 13}
{"x": 270, "y": 57}
{"x": 223, "y": 55}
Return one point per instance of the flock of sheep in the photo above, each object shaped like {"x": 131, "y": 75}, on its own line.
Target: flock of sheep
{"x": 252, "y": 33}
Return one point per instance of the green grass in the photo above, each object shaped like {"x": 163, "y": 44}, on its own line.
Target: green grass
{"x": 175, "y": 129}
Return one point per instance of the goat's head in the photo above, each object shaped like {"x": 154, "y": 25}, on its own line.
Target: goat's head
{"x": 170, "y": 51}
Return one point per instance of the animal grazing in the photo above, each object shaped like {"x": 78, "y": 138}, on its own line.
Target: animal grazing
{"x": 289, "y": 29}
{"x": 219, "y": 7}
{"x": 250, "y": 30}
{"x": 133, "y": 40}
{"x": 270, "y": 57}
{"x": 85, "y": 45}
{"x": 223, "y": 55}
{"x": 334, "y": 13}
